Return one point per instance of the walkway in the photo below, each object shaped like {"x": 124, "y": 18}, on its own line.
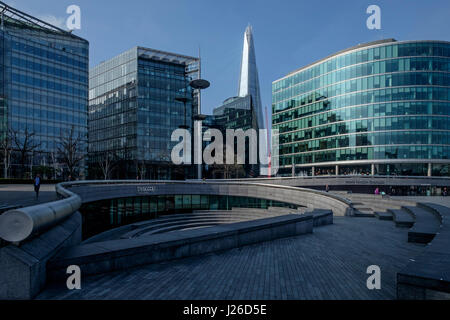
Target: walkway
{"x": 23, "y": 194}
{"x": 329, "y": 264}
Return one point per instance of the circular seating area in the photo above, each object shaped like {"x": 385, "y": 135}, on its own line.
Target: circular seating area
{"x": 196, "y": 219}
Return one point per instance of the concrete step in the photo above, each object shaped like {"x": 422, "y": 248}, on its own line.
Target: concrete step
{"x": 363, "y": 214}
{"x": 402, "y": 218}
{"x": 116, "y": 233}
{"x": 382, "y": 215}
{"x": 426, "y": 225}
{"x": 162, "y": 226}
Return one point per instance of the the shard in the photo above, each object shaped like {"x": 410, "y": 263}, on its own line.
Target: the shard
{"x": 248, "y": 78}
{"x": 249, "y": 86}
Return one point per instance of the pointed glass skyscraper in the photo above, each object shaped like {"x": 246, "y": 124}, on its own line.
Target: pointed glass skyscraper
{"x": 245, "y": 111}
{"x": 248, "y": 78}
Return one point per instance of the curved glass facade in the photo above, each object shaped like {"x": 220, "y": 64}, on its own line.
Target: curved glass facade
{"x": 379, "y": 108}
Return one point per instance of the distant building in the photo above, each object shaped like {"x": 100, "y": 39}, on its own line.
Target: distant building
{"x": 235, "y": 113}
{"x": 43, "y": 93}
{"x": 244, "y": 111}
{"x": 377, "y": 108}
{"x": 133, "y": 111}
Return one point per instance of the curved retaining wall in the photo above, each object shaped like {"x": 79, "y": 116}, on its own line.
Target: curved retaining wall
{"x": 90, "y": 191}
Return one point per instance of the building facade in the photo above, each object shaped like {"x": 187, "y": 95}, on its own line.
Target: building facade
{"x": 378, "y": 108}
{"x": 133, "y": 111}
{"x": 43, "y": 95}
{"x": 235, "y": 113}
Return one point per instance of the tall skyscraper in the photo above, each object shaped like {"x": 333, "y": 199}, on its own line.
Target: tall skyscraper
{"x": 248, "y": 78}
{"x": 245, "y": 110}
{"x": 134, "y": 106}
{"x": 43, "y": 93}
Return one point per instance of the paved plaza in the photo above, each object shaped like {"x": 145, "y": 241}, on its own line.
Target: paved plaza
{"x": 24, "y": 195}
{"x": 331, "y": 263}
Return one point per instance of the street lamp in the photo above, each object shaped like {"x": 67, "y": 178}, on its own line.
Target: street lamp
{"x": 199, "y": 84}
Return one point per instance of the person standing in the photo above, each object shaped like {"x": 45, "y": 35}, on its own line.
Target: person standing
{"x": 37, "y": 185}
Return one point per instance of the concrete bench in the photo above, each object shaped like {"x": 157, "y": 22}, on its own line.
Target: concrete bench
{"x": 425, "y": 227}
{"x": 383, "y": 215}
{"x": 321, "y": 217}
{"x": 429, "y": 274}
{"x": 402, "y": 218}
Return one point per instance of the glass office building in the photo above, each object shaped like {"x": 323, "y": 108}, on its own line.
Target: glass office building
{"x": 133, "y": 111}
{"x": 43, "y": 90}
{"x": 235, "y": 113}
{"x": 378, "y": 108}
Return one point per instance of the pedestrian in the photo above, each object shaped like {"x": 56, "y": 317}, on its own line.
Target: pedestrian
{"x": 327, "y": 188}
{"x": 377, "y": 191}
{"x": 37, "y": 185}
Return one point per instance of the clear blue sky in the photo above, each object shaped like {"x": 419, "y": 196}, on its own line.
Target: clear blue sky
{"x": 288, "y": 33}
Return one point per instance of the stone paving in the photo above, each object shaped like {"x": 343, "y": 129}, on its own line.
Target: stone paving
{"x": 23, "y": 194}
{"x": 331, "y": 263}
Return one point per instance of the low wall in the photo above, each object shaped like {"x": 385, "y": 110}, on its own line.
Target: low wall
{"x": 122, "y": 254}
{"x": 23, "y": 268}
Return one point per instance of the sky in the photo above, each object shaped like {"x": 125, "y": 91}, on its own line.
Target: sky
{"x": 288, "y": 34}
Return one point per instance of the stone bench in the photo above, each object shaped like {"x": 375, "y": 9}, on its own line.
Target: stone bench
{"x": 402, "y": 218}
{"x": 428, "y": 275}
{"x": 425, "y": 227}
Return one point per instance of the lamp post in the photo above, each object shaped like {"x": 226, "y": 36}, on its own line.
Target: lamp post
{"x": 184, "y": 126}
{"x": 199, "y": 84}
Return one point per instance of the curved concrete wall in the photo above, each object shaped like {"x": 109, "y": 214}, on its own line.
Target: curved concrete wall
{"x": 90, "y": 191}
{"x": 348, "y": 180}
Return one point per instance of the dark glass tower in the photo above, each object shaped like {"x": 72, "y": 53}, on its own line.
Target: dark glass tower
{"x": 43, "y": 90}
{"x": 133, "y": 111}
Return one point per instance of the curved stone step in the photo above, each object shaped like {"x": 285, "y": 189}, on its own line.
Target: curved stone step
{"x": 133, "y": 227}
{"x": 402, "y": 218}
{"x": 152, "y": 229}
{"x": 425, "y": 227}
{"x": 383, "y": 215}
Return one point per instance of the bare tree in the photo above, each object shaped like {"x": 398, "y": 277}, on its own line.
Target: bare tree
{"x": 107, "y": 162}
{"x": 54, "y": 162}
{"x": 6, "y": 151}
{"x": 24, "y": 144}
{"x": 71, "y": 150}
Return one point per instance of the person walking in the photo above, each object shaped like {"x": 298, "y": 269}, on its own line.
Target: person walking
{"x": 37, "y": 185}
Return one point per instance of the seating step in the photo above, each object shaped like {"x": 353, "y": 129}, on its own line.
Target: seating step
{"x": 402, "y": 218}
{"x": 381, "y": 215}
{"x": 363, "y": 214}
{"x": 426, "y": 225}
{"x": 155, "y": 228}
